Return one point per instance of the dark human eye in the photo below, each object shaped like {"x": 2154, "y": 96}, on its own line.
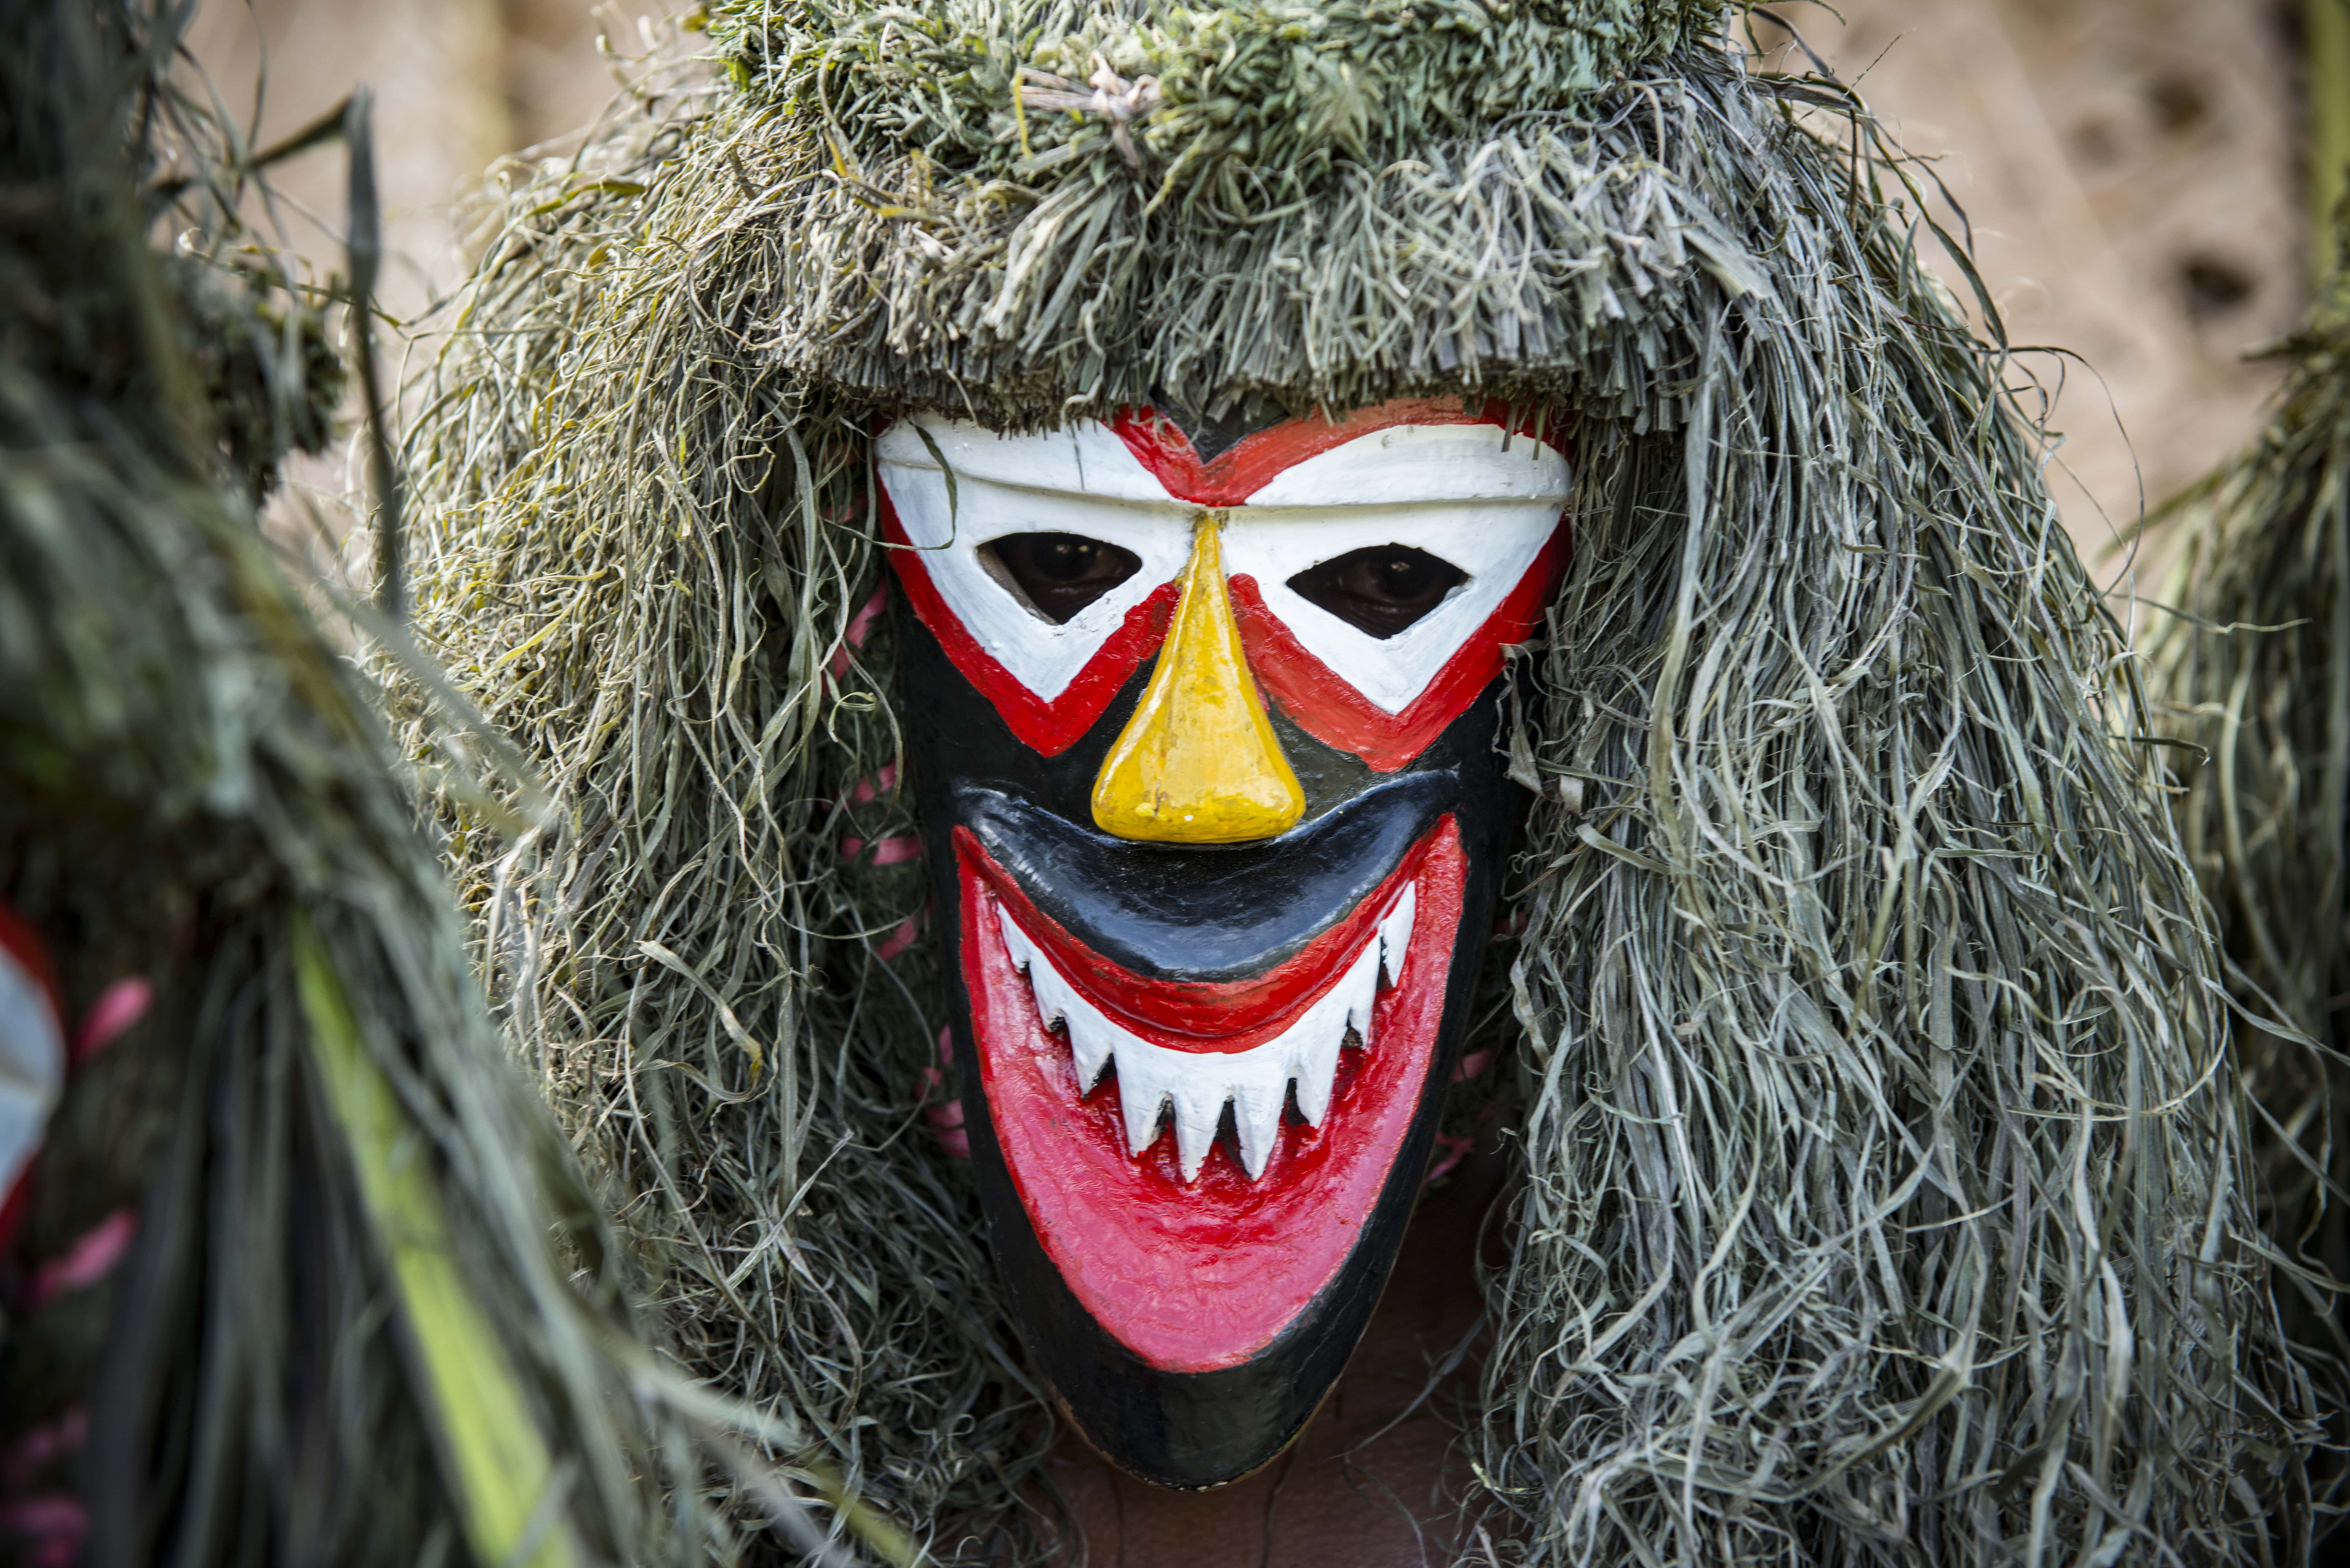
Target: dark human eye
{"x": 1058, "y": 574}
{"x": 1380, "y": 590}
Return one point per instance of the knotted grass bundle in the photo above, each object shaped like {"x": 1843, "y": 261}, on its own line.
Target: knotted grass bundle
{"x": 1881, "y": 1191}
{"x": 2251, "y": 662}
{"x": 371, "y": 1314}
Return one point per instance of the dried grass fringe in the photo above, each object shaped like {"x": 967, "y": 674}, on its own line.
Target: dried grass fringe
{"x": 1882, "y": 1192}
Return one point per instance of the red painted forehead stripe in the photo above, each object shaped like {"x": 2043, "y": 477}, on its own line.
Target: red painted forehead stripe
{"x": 1253, "y": 462}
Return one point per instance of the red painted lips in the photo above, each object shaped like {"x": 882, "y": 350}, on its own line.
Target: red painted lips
{"x": 1201, "y": 1274}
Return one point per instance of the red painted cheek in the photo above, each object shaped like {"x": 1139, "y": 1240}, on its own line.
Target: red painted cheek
{"x": 1196, "y": 1277}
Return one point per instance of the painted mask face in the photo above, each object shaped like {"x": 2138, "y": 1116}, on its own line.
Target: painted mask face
{"x": 1205, "y": 740}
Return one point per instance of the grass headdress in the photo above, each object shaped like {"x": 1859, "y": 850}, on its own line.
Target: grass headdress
{"x": 1880, "y": 1185}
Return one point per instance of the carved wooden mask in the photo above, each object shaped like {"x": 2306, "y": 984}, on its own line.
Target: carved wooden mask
{"x": 1206, "y": 741}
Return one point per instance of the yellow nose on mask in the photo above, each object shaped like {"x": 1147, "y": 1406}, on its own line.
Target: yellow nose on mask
{"x": 1198, "y": 764}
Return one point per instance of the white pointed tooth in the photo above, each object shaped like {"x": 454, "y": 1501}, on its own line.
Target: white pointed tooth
{"x": 1361, "y": 986}
{"x": 1144, "y": 1087}
{"x": 1092, "y": 1037}
{"x": 1093, "y": 1040}
{"x": 1318, "y": 1034}
{"x": 1199, "y": 1097}
{"x": 1016, "y": 942}
{"x": 1050, "y": 992}
{"x": 1051, "y": 1000}
{"x": 1395, "y": 932}
{"x": 1317, "y": 1065}
{"x": 1258, "y": 1096}
{"x": 1023, "y": 953}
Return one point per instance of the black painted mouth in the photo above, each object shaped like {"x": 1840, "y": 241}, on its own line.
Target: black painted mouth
{"x": 1212, "y": 914}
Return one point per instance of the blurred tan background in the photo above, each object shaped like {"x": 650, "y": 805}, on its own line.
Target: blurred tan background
{"x": 2135, "y": 172}
{"x": 2131, "y": 169}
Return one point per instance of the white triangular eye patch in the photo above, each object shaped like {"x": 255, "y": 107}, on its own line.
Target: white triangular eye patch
{"x": 1468, "y": 494}
{"x": 1081, "y": 481}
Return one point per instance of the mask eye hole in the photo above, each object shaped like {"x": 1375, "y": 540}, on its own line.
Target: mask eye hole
{"x": 1057, "y": 575}
{"x": 1381, "y": 589}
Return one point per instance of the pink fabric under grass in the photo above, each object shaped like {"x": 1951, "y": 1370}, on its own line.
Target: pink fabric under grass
{"x": 908, "y": 933}
{"x": 48, "y": 1529}
{"x": 117, "y": 1007}
{"x": 945, "y": 1119}
{"x": 873, "y": 788}
{"x": 892, "y": 851}
{"x": 87, "y": 1262}
{"x": 39, "y": 1448}
{"x": 861, "y": 626}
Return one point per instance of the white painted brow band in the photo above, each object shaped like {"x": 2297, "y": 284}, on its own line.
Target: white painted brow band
{"x": 1423, "y": 462}
{"x": 1086, "y": 459}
